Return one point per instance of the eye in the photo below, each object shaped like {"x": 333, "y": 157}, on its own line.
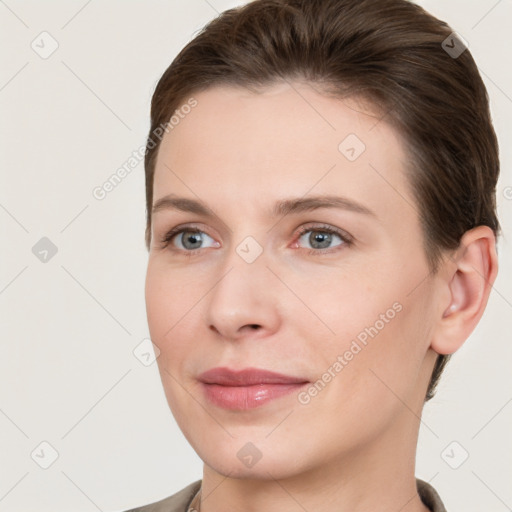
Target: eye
{"x": 188, "y": 239}
{"x": 322, "y": 237}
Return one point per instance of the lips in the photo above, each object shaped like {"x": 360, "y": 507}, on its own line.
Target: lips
{"x": 246, "y": 377}
{"x": 247, "y": 388}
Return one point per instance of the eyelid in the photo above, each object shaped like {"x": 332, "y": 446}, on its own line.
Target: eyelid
{"x": 168, "y": 235}
{"x": 304, "y": 228}
{"x": 344, "y": 235}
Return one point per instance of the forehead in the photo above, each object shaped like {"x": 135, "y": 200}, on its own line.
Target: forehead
{"x": 249, "y": 148}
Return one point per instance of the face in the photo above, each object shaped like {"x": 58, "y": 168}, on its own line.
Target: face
{"x": 299, "y": 252}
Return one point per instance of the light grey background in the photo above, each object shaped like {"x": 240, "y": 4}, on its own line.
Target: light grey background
{"x": 69, "y": 326}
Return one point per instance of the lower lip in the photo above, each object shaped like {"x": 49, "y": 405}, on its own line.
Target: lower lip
{"x": 247, "y": 397}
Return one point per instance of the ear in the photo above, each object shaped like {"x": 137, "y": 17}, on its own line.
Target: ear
{"x": 467, "y": 278}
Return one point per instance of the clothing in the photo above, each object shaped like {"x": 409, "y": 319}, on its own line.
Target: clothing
{"x": 429, "y": 496}
{"x": 180, "y": 501}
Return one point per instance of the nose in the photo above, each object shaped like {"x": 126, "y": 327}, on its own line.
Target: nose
{"x": 244, "y": 301}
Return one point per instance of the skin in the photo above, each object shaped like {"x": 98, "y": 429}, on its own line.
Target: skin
{"x": 297, "y": 307}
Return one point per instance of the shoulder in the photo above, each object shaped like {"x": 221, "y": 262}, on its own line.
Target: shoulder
{"x": 429, "y": 496}
{"x": 178, "y": 502}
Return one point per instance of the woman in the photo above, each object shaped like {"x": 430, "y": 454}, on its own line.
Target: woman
{"x": 321, "y": 226}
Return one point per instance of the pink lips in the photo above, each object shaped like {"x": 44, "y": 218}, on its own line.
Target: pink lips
{"x": 248, "y": 388}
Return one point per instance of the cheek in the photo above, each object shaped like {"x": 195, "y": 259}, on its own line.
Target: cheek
{"x": 174, "y": 307}
{"x": 170, "y": 294}
{"x": 372, "y": 380}
{"x": 378, "y": 334}
{"x": 157, "y": 295}
{"x": 387, "y": 370}
{"x": 166, "y": 309}
{"x": 167, "y": 303}
{"x": 341, "y": 305}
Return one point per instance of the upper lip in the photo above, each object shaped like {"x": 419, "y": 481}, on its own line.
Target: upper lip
{"x": 246, "y": 377}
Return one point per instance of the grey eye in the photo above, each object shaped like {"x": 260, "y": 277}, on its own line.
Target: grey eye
{"x": 191, "y": 239}
{"x": 319, "y": 239}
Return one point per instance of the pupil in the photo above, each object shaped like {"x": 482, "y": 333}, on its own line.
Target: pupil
{"x": 323, "y": 239}
{"x": 193, "y": 238}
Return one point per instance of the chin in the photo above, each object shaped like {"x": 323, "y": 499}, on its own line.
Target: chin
{"x": 244, "y": 459}
{"x": 263, "y": 470}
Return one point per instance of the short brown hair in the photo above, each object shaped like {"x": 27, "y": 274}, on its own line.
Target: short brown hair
{"x": 387, "y": 51}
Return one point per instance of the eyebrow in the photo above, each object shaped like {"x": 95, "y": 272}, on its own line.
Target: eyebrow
{"x": 282, "y": 207}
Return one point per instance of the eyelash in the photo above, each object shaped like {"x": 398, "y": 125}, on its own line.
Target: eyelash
{"x": 167, "y": 238}
{"x": 345, "y": 237}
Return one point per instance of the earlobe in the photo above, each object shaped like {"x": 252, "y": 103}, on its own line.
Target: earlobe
{"x": 470, "y": 274}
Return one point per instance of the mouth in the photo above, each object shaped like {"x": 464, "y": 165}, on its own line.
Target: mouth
{"x": 248, "y": 388}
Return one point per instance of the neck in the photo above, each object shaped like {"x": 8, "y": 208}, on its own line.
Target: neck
{"x": 378, "y": 476}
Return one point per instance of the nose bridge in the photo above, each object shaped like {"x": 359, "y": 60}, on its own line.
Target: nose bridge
{"x": 241, "y": 295}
